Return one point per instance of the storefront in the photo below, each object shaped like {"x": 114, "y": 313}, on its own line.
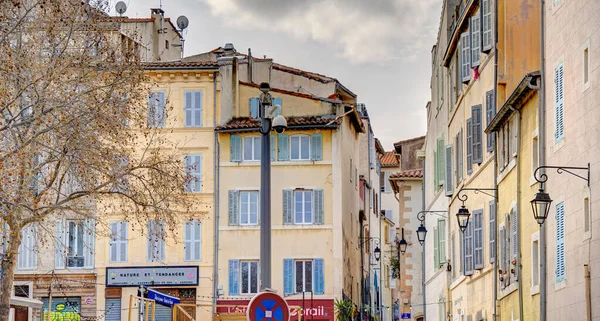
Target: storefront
{"x": 307, "y": 309}
{"x": 178, "y": 282}
{"x": 73, "y": 295}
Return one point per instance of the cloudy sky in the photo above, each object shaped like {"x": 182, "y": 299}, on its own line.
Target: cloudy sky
{"x": 380, "y": 49}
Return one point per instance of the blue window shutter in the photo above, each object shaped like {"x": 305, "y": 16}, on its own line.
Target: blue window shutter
{"x": 273, "y": 143}
{"x": 162, "y": 101}
{"x": 234, "y": 271}
{"x": 278, "y": 101}
{"x": 559, "y": 102}
{"x": 151, "y": 109}
{"x": 316, "y": 147}
{"x": 156, "y": 109}
{"x": 197, "y": 120}
{"x": 560, "y": 242}
{"x": 254, "y": 106}
{"x": 288, "y": 276}
{"x": 318, "y": 204}
{"x": 233, "y": 208}
{"x": 282, "y": 147}
{"x": 319, "y": 276}
{"x": 188, "y": 101}
{"x": 469, "y": 146}
{"x": 288, "y": 206}
{"x": 235, "y": 147}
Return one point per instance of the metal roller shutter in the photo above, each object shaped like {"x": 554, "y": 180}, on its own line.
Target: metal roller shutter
{"x": 113, "y": 310}
{"x": 162, "y": 313}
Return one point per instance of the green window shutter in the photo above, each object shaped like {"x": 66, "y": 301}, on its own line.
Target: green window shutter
{"x": 234, "y": 208}
{"x": 253, "y": 105}
{"x": 318, "y": 206}
{"x": 436, "y": 249}
{"x": 282, "y": 147}
{"x": 435, "y": 170}
{"x": 288, "y": 206}
{"x": 235, "y": 148}
{"x": 316, "y": 147}
{"x": 477, "y": 132}
{"x": 441, "y": 227}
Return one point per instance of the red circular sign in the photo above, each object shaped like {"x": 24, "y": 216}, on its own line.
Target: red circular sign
{"x": 268, "y": 306}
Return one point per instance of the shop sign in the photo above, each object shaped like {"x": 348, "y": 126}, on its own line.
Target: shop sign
{"x": 152, "y": 276}
{"x": 162, "y": 298}
{"x": 316, "y": 309}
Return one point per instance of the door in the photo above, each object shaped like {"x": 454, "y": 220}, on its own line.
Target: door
{"x": 21, "y": 314}
{"x": 113, "y": 309}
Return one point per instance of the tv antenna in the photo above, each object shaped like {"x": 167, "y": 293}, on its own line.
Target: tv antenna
{"x": 121, "y": 7}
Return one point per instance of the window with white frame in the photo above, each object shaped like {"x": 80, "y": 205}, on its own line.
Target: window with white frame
{"x": 75, "y": 233}
{"x": 304, "y": 274}
{"x": 248, "y": 207}
{"x": 249, "y": 277}
{"x": 192, "y": 236}
{"x": 535, "y": 259}
{"x": 118, "y": 241}
{"x": 252, "y": 148}
{"x": 27, "y": 258}
{"x": 303, "y": 207}
{"x": 156, "y": 241}
{"x": 300, "y": 147}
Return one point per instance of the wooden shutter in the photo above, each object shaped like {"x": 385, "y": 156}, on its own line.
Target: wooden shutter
{"x": 469, "y": 146}
{"x": 288, "y": 206}
{"x": 60, "y": 245}
{"x": 319, "y": 276}
{"x": 492, "y": 231}
{"x": 475, "y": 28}
{"x": 282, "y": 147}
{"x": 89, "y": 232}
{"x": 235, "y": 147}
{"x": 465, "y": 57}
{"x": 559, "y": 102}
{"x": 233, "y": 208}
{"x": 253, "y": 105}
{"x": 193, "y": 169}
{"x": 192, "y": 240}
{"x": 234, "y": 277}
{"x": 449, "y": 173}
{"x": 478, "y": 238}
{"x": 441, "y": 226}
{"x": 501, "y": 245}
{"x": 514, "y": 230}
{"x": 436, "y": 249}
{"x": 440, "y": 160}
{"x": 316, "y": 147}
{"x": 459, "y": 157}
{"x": 560, "y": 242}
{"x": 156, "y": 109}
{"x": 27, "y": 252}
{"x": 490, "y": 112}
{"x": 288, "y": 276}
{"x": 318, "y": 206}
{"x": 477, "y": 134}
{"x": 486, "y": 16}
{"x": 469, "y": 250}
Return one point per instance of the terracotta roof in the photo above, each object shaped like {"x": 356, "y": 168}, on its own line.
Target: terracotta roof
{"x": 310, "y": 75}
{"x": 409, "y": 140}
{"x": 308, "y": 122}
{"x": 283, "y": 91}
{"x": 410, "y": 173}
{"x": 180, "y": 65}
{"x": 389, "y": 159}
{"x": 127, "y": 19}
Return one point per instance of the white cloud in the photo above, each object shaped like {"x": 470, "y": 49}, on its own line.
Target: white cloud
{"x": 360, "y": 30}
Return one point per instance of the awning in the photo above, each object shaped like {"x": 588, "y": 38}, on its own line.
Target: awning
{"x": 25, "y": 302}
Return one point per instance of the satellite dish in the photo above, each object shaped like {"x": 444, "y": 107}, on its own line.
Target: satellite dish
{"x": 121, "y": 7}
{"x": 182, "y": 22}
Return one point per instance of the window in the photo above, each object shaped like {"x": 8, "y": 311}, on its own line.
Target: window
{"x": 254, "y": 106}
{"x": 22, "y": 290}
{"x": 475, "y": 40}
{"x": 119, "y": 171}
{"x": 440, "y": 244}
{"x": 74, "y": 247}
{"x": 490, "y": 112}
{"x": 535, "y": 260}
{"x": 156, "y": 109}
{"x": 535, "y": 154}
{"x": 118, "y": 241}
{"x": 465, "y": 57}
{"x": 477, "y": 133}
{"x": 193, "y": 108}
{"x": 27, "y": 257}
{"x": 252, "y": 146}
{"x": 249, "y": 277}
{"x": 249, "y": 207}
{"x": 559, "y": 102}
{"x": 449, "y": 173}
{"x": 192, "y": 236}
{"x": 193, "y": 170}
{"x": 458, "y": 142}
{"x": 304, "y": 274}
{"x": 299, "y": 148}
{"x": 167, "y": 44}
{"x": 586, "y": 65}
{"x": 382, "y": 182}
{"x": 560, "y": 242}
{"x": 439, "y": 162}
{"x": 486, "y": 17}
{"x": 478, "y": 238}
{"x": 303, "y": 211}
{"x": 468, "y": 247}
{"x": 156, "y": 241}
{"x": 75, "y": 244}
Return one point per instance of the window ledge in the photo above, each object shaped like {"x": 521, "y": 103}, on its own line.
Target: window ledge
{"x": 535, "y": 290}
{"x": 560, "y": 285}
{"x": 558, "y": 145}
{"x": 275, "y": 163}
{"x": 457, "y": 282}
{"x": 508, "y": 290}
{"x": 506, "y": 170}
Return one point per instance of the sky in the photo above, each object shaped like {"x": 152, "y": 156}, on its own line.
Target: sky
{"x": 379, "y": 49}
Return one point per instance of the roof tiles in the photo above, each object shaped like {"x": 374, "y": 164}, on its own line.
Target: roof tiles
{"x": 389, "y": 159}
{"x": 411, "y": 173}
{"x": 249, "y": 124}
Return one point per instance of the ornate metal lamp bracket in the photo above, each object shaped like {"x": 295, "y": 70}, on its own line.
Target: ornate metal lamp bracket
{"x": 542, "y": 177}
{"x": 463, "y": 197}
{"x": 421, "y": 214}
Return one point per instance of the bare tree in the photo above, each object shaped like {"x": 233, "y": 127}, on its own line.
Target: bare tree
{"x": 74, "y": 133}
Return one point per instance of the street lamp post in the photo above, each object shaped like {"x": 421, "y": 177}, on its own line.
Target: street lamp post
{"x": 463, "y": 215}
{"x": 267, "y": 122}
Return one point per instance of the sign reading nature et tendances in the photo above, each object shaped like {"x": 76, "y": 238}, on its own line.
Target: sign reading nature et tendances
{"x": 152, "y": 275}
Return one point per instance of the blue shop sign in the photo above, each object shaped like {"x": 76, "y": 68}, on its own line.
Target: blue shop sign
{"x": 162, "y": 298}
{"x": 405, "y": 316}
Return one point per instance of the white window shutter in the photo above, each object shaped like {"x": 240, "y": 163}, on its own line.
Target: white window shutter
{"x": 465, "y": 56}
{"x": 89, "y": 233}
{"x": 475, "y": 28}
{"x": 60, "y": 245}
{"x": 392, "y": 232}
{"x": 486, "y": 16}
{"x": 449, "y": 173}
{"x": 560, "y": 242}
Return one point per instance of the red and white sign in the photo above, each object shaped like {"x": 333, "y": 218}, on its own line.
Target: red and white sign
{"x": 317, "y": 309}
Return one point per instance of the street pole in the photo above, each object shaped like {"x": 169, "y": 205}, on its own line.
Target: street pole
{"x": 265, "y": 194}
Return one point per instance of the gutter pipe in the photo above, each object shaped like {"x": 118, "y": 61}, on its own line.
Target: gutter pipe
{"x": 542, "y": 158}
{"x": 495, "y": 277}
{"x": 216, "y": 199}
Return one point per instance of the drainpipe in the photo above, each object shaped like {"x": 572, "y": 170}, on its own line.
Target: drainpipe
{"x": 519, "y": 220}
{"x": 496, "y": 162}
{"x": 542, "y": 158}
{"x": 215, "y": 199}
{"x": 423, "y": 247}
